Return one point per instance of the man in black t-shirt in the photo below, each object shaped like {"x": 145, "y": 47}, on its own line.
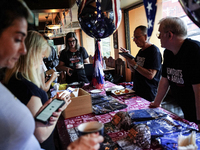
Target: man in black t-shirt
{"x": 181, "y": 68}
{"x": 146, "y": 65}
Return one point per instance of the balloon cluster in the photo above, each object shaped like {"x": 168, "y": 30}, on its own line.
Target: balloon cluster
{"x": 94, "y": 25}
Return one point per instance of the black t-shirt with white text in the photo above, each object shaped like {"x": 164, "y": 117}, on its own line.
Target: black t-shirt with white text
{"x": 182, "y": 71}
{"x": 149, "y": 58}
{"x": 71, "y": 59}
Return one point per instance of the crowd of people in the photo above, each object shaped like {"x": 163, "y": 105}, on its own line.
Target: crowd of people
{"x": 24, "y": 90}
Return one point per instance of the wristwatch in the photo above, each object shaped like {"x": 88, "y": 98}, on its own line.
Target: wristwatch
{"x": 135, "y": 66}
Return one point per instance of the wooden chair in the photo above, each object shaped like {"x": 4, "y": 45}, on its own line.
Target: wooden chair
{"x": 110, "y": 62}
{"x": 120, "y": 69}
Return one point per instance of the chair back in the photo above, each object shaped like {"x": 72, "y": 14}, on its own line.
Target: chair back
{"x": 120, "y": 69}
{"x": 110, "y": 62}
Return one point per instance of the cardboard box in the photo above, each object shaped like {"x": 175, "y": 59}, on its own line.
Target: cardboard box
{"x": 79, "y": 105}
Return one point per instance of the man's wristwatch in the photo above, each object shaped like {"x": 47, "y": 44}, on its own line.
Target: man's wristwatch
{"x": 135, "y": 67}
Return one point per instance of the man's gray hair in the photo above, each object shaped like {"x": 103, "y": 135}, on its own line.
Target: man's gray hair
{"x": 142, "y": 28}
{"x": 175, "y": 25}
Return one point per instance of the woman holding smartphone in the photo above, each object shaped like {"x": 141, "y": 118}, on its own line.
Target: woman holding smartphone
{"x": 17, "y": 124}
{"x": 25, "y": 82}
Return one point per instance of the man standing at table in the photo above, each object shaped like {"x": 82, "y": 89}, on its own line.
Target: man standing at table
{"x": 146, "y": 66}
{"x": 181, "y": 68}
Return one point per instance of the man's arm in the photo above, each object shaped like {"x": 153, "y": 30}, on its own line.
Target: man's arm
{"x": 61, "y": 67}
{"x": 163, "y": 88}
{"x": 148, "y": 73}
{"x": 196, "y": 88}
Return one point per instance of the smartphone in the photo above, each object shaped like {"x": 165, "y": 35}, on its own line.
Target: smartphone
{"x": 71, "y": 71}
{"x": 50, "y": 72}
{"x": 127, "y": 55}
{"x": 46, "y": 113}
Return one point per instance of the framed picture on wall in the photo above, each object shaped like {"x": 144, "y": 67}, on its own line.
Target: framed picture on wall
{"x": 115, "y": 40}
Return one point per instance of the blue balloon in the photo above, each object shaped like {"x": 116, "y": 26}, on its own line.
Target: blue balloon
{"x": 98, "y": 26}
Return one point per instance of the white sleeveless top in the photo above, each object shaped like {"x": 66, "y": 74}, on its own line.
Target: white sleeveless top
{"x": 16, "y": 124}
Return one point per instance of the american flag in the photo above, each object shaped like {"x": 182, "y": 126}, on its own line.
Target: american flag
{"x": 78, "y": 2}
{"x": 150, "y": 8}
{"x": 116, "y": 8}
{"x": 98, "y": 74}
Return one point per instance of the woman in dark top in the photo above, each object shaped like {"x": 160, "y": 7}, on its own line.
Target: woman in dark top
{"x": 72, "y": 60}
{"x": 25, "y": 82}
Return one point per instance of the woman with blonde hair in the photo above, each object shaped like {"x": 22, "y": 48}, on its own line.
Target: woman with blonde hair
{"x": 25, "y": 82}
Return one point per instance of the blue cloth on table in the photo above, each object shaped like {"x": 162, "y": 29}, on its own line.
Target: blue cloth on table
{"x": 146, "y": 114}
{"x": 165, "y": 125}
{"x": 170, "y": 142}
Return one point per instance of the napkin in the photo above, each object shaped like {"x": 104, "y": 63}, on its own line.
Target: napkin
{"x": 187, "y": 142}
{"x": 75, "y": 92}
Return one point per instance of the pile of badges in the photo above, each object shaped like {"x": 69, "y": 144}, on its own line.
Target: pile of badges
{"x": 141, "y": 127}
{"x": 138, "y": 136}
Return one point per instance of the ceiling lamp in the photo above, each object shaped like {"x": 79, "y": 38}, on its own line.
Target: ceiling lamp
{"x": 53, "y": 26}
{"x": 49, "y": 34}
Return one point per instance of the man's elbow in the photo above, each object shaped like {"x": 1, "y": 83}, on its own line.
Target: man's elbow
{"x": 150, "y": 77}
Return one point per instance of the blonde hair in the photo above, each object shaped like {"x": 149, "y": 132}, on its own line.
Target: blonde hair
{"x": 36, "y": 46}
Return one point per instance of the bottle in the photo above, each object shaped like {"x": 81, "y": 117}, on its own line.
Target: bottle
{"x": 104, "y": 64}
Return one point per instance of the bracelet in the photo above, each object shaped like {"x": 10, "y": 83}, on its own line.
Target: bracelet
{"x": 135, "y": 67}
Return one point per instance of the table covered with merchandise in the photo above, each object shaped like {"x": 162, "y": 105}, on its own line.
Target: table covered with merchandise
{"x": 129, "y": 123}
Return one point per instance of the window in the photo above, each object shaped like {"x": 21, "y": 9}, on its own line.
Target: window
{"x": 106, "y": 47}
{"x": 173, "y": 8}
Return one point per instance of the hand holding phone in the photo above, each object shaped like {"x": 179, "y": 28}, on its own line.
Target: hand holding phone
{"x": 49, "y": 72}
{"x": 47, "y": 112}
{"x": 126, "y": 55}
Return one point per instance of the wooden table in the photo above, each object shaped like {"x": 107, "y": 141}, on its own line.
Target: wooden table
{"x": 134, "y": 103}
{"x": 108, "y": 69}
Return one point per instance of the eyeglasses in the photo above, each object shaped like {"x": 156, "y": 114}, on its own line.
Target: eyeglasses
{"x": 158, "y": 34}
{"x": 71, "y": 41}
{"x": 136, "y": 37}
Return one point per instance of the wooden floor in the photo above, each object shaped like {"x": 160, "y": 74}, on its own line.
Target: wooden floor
{"x": 170, "y": 105}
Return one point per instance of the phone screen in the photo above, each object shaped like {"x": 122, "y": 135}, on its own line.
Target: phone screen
{"x": 47, "y": 111}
